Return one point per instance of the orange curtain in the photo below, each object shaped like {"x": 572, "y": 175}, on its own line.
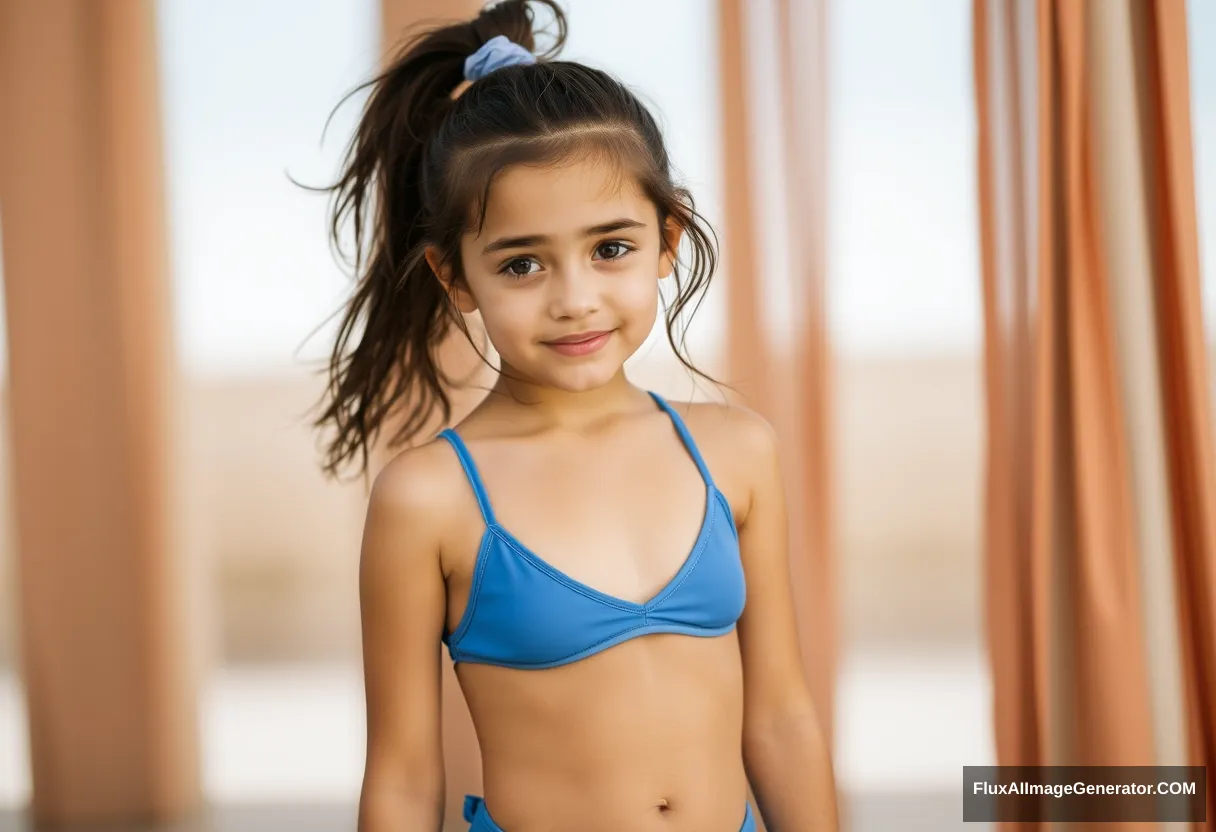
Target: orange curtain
{"x": 786, "y": 380}
{"x": 1184, "y": 370}
{"x": 807, "y": 415}
{"x": 1085, "y": 169}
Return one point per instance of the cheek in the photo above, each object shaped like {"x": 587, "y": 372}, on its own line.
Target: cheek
{"x": 508, "y": 316}
{"x": 638, "y": 295}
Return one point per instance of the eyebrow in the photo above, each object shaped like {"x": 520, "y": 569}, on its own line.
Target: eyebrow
{"x": 539, "y": 239}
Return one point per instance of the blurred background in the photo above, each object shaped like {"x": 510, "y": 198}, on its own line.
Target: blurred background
{"x": 246, "y": 88}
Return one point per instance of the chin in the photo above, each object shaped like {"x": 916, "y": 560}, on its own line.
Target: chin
{"x": 575, "y": 379}
{"x": 571, "y": 375}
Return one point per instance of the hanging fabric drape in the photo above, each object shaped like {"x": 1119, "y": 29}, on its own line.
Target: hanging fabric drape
{"x": 784, "y": 372}
{"x": 1100, "y": 550}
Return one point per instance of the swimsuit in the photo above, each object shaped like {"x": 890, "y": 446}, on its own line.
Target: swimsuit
{"x": 524, "y": 613}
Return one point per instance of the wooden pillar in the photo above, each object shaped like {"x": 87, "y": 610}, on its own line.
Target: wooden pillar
{"x": 105, "y": 664}
{"x": 399, "y": 16}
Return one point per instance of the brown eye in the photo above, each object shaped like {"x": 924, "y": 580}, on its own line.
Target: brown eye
{"x": 517, "y": 267}
{"x": 620, "y": 249}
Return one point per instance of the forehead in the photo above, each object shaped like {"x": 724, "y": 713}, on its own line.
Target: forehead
{"x": 554, "y": 200}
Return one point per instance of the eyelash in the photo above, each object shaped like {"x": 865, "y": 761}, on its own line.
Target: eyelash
{"x": 506, "y": 267}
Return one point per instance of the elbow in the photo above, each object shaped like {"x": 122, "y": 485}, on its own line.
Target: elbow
{"x": 795, "y": 726}
{"x": 396, "y": 803}
{"x": 797, "y": 715}
{"x": 382, "y": 810}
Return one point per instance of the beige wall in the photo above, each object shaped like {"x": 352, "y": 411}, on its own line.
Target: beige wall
{"x": 909, "y": 466}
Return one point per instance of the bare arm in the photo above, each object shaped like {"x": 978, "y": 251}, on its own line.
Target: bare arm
{"x": 787, "y": 761}
{"x": 402, "y": 604}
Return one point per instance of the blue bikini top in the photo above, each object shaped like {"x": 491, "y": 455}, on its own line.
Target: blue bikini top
{"x": 524, "y": 613}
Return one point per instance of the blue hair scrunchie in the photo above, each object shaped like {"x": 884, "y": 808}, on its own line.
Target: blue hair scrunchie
{"x": 494, "y": 54}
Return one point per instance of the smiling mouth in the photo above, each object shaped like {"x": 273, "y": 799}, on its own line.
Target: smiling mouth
{"x": 579, "y": 338}
{"x": 580, "y": 344}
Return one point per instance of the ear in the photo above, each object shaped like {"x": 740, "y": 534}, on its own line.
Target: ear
{"x": 672, "y": 232}
{"x": 463, "y": 299}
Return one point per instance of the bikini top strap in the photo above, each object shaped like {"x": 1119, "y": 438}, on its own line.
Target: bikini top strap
{"x": 685, "y": 436}
{"x": 470, "y": 470}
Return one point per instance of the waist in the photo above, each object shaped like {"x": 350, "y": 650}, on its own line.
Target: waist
{"x": 626, "y": 764}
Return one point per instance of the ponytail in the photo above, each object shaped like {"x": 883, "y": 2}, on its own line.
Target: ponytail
{"x": 400, "y": 306}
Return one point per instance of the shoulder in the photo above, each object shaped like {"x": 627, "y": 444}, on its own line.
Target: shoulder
{"x": 729, "y": 428}
{"x": 418, "y": 480}
{"x": 415, "y": 499}
{"x": 738, "y": 444}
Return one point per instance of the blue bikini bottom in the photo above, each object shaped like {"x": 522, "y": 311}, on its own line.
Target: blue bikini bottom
{"x": 478, "y": 816}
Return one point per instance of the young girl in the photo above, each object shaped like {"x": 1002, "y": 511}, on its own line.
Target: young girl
{"x": 607, "y": 569}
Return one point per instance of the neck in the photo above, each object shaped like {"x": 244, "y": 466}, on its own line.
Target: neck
{"x": 574, "y": 411}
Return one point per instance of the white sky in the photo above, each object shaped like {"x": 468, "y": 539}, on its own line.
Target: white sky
{"x": 903, "y": 272}
{"x": 1202, "y": 50}
{"x": 247, "y": 85}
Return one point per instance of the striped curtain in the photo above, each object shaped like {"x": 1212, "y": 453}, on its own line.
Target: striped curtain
{"x": 1100, "y": 493}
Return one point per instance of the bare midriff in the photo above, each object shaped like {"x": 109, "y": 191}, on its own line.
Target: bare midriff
{"x": 646, "y": 735}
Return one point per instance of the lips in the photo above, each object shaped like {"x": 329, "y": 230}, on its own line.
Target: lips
{"x": 579, "y": 338}
{"x": 582, "y": 343}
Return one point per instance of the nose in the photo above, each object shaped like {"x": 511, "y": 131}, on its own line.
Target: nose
{"x": 575, "y": 293}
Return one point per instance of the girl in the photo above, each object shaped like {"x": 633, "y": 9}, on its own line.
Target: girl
{"x": 607, "y": 569}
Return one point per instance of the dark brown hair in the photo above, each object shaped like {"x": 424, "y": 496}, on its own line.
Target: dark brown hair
{"x": 418, "y": 171}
